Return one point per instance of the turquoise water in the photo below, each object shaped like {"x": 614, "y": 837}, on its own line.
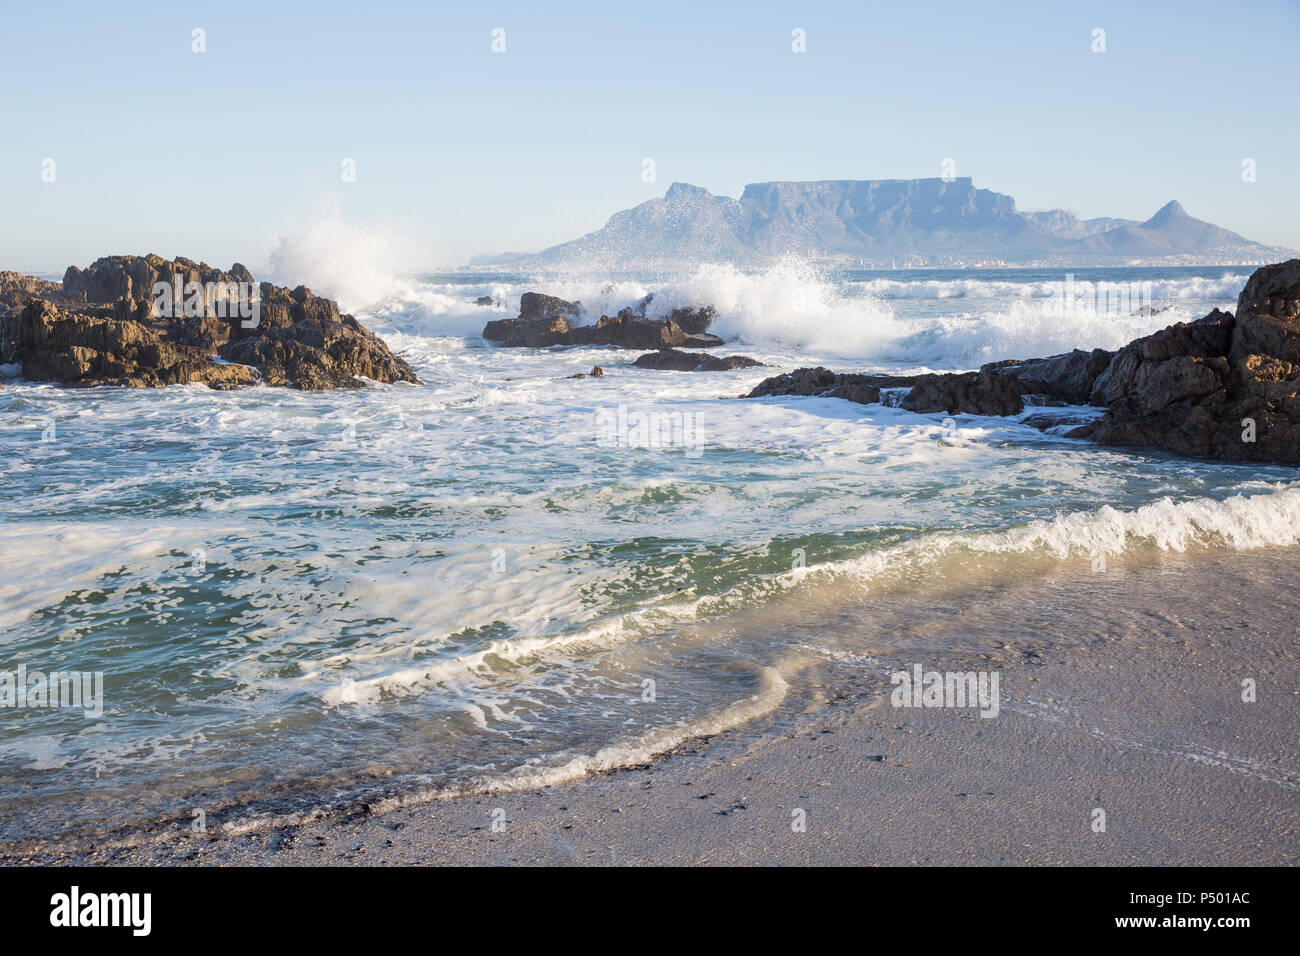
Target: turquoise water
{"x": 297, "y": 599}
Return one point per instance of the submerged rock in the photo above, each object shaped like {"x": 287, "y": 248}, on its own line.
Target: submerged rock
{"x": 108, "y": 328}
{"x": 678, "y": 361}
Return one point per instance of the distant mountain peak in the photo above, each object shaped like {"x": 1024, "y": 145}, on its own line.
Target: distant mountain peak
{"x": 1170, "y": 210}
{"x": 685, "y": 191}
{"x": 883, "y": 222}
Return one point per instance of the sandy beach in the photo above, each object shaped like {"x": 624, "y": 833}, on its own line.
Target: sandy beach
{"x": 1120, "y": 691}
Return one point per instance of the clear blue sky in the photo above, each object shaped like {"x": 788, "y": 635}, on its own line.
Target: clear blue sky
{"x": 461, "y": 150}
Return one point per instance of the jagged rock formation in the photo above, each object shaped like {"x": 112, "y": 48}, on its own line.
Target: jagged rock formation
{"x": 16, "y": 290}
{"x": 105, "y": 327}
{"x": 111, "y": 278}
{"x": 101, "y": 345}
{"x": 678, "y": 361}
{"x": 1224, "y": 387}
{"x": 303, "y": 342}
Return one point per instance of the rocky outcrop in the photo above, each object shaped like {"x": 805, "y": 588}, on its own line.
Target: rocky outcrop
{"x": 986, "y": 392}
{"x": 1001, "y": 388}
{"x": 530, "y": 333}
{"x": 679, "y": 361}
{"x": 133, "y": 277}
{"x": 1224, "y": 387}
{"x": 545, "y": 321}
{"x": 101, "y": 345}
{"x": 534, "y": 306}
{"x": 693, "y": 320}
{"x": 304, "y": 342}
{"x": 16, "y": 290}
{"x": 1005, "y": 388}
{"x": 1060, "y": 379}
{"x": 109, "y": 328}
{"x": 823, "y": 383}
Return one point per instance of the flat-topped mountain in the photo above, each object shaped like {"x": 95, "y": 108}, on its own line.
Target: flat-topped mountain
{"x": 883, "y": 222}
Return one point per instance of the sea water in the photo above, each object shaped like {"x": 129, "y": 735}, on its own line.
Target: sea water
{"x": 304, "y": 600}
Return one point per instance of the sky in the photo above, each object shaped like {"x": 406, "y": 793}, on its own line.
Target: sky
{"x": 231, "y": 153}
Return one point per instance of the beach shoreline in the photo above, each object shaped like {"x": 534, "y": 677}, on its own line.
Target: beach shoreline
{"x": 1142, "y": 718}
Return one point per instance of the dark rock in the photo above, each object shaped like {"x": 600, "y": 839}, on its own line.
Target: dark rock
{"x": 639, "y": 309}
{"x": 693, "y": 321}
{"x": 1222, "y": 387}
{"x": 1067, "y": 378}
{"x": 484, "y": 300}
{"x": 1045, "y": 420}
{"x": 319, "y": 352}
{"x": 1137, "y": 367}
{"x": 823, "y": 383}
{"x": 545, "y": 321}
{"x": 16, "y": 290}
{"x": 986, "y": 392}
{"x": 133, "y": 277}
{"x": 93, "y": 346}
{"x": 1202, "y": 388}
{"x": 597, "y": 372}
{"x": 530, "y": 333}
{"x": 534, "y": 306}
{"x": 676, "y": 360}
{"x": 701, "y": 340}
{"x": 109, "y": 329}
{"x": 628, "y": 332}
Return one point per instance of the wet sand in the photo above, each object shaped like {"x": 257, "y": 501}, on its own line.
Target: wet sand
{"x": 1120, "y": 691}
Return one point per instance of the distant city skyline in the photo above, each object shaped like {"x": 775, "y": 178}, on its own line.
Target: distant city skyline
{"x": 230, "y": 132}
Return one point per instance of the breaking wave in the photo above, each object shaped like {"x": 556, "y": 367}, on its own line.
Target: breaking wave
{"x": 955, "y": 323}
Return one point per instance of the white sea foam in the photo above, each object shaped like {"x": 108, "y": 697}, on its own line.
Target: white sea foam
{"x": 796, "y": 307}
{"x": 350, "y": 535}
{"x": 1240, "y": 522}
{"x": 351, "y": 263}
{"x": 1227, "y": 286}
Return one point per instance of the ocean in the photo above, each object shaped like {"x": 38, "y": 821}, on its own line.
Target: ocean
{"x": 509, "y": 577}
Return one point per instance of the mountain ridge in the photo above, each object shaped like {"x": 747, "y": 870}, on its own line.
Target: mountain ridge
{"x": 873, "y": 223}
